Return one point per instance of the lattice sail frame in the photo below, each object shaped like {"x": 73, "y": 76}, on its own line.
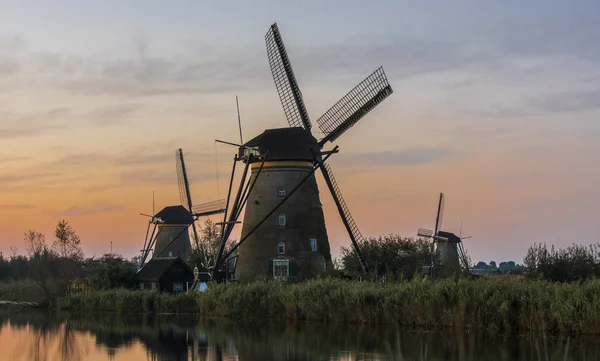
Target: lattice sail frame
{"x": 354, "y": 105}
{"x": 217, "y": 206}
{"x": 285, "y": 81}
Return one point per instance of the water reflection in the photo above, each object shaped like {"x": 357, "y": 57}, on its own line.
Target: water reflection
{"x": 38, "y": 336}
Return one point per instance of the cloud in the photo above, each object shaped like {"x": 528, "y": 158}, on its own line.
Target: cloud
{"x": 543, "y": 104}
{"x": 560, "y": 102}
{"x": 82, "y": 211}
{"x": 415, "y": 156}
{"x": 112, "y": 114}
{"x": 15, "y": 207}
{"x": 15, "y": 125}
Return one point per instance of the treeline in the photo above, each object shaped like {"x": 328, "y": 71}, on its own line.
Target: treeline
{"x": 52, "y": 267}
{"x": 575, "y": 263}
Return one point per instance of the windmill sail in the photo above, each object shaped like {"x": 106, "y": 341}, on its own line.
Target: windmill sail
{"x": 184, "y": 187}
{"x": 355, "y": 236}
{"x": 440, "y": 215}
{"x": 354, "y": 105}
{"x": 285, "y": 81}
{"x": 209, "y": 208}
{"x": 182, "y": 181}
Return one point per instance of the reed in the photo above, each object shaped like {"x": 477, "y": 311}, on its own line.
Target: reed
{"x": 493, "y": 305}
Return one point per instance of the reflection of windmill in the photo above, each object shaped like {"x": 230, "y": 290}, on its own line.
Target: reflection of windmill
{"x": 170, "y": 236}
{"x": 294, "y": 240}
{"x": 449, "y": 245}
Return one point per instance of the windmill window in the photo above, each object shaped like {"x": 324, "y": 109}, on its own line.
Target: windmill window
{"x": 281, "y": 248}
{"x": 170, "y": 254}
{"x": 177, "y": 286}
{"x": 313, "y": 244}
{"x": 281, "y": 268}
{"x": 282, "y": 192}
{"x": 281, "y": 220}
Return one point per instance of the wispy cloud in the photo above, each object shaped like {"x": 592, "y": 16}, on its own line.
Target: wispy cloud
{"x": 15, "y": 207}
{"x": 82, "y": 211}
{"x": 415, "y": 156}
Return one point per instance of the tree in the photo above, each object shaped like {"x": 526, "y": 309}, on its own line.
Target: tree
{"x": 482, "y": 265}
{"x": 67, "y": 242}
{"x": 111, "y": 271}
{"x": 393, "y": 256}
{"x": 205, "y": 248}
{"x": 493, "y": 265}
{"x": 40, "y": 260}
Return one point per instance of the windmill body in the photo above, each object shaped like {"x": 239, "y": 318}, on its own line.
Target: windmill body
{"x": 173, "y": 239}
{"x": 293, "y": 241}
{"x": 448, "y": 247}
{"x": 284, "y": 234}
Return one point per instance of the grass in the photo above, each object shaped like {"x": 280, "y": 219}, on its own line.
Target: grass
{"x": 494, "y": 305}
{"x": 21, "y": 291}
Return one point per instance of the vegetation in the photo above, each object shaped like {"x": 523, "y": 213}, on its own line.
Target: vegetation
{"x": 48, "y": 272}
{"x": 494, "y": 305}
{"x": 392, "y": 256}
{"x": 206, "y": 246}
{"x": 575, "y": 263}
{"x": 21, "y": 291}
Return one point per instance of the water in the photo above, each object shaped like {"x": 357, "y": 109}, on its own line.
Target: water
{"x": 35, "y": 335}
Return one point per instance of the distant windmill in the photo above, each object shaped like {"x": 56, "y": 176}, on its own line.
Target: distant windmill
{"x": 170, "y": 236}
{"x": 448, "y": 244}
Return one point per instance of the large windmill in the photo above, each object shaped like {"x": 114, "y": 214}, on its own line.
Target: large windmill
{"x": 170, "y": 236}
{"x": 446, "y": 244}
{"x": 284, "y": 230}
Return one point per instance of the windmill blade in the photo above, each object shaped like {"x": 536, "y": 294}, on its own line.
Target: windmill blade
{"x": 182, "y": 181}
{"x": 184, "y": 186}
{"x": 355, "y": 236}
{"x": 354, "y": 105}
{"x": 285, "y": 81}
{"x": 209, "y": 208}
{"x": 440, "y": 214}
{"x": 425, "y": 233}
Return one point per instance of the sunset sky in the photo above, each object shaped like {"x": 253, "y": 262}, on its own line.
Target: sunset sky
{"x": 496, "y": 104}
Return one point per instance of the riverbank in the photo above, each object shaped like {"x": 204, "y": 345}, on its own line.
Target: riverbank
{"x": 25, "y": 291}
{"x": 490, "y": 305}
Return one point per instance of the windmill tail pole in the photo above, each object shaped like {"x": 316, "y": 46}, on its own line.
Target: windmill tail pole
{"x": 314, "y": 169}
{"x": 232, "y": 215}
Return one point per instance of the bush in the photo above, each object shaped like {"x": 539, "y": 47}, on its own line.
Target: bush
{"x": 396, "y": 257}
{"x": 575, "y": 263}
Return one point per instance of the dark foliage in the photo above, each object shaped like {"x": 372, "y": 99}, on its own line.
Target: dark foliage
{"x": 392, "y": 256}
{"x": 575, "y": 263}
{"x": 110, "y": 271}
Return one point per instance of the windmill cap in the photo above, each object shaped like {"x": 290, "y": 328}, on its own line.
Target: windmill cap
{"x": 287, "y": 144}
{"x": 175, "y": 215}
{"x": 452, "y": 238}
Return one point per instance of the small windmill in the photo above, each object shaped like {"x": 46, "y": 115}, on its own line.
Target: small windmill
{"x": 170, "y": 235}
{"x": 447, "y": 244}
{"x": 289, "y": 157}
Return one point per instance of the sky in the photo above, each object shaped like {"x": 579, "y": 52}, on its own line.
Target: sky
{"x": 495, "y": 104}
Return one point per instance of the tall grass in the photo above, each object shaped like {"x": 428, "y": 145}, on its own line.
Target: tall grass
{"x": 21, "y": 291}
{"x": 491, "y": 305}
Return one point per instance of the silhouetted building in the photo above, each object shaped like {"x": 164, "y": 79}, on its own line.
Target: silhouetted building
{"x": 165, "y": 274}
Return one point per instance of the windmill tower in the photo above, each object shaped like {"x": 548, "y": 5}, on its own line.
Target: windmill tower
{"x": 446, "y": 244}
{"x": 170, "y": 236}
{"x": 284, "y": 232}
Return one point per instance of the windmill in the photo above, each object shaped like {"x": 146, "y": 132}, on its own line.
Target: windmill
{"x": 449, "y": 245}
{"x": 284, "y": 232}
{"x": 170, "y": 235}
